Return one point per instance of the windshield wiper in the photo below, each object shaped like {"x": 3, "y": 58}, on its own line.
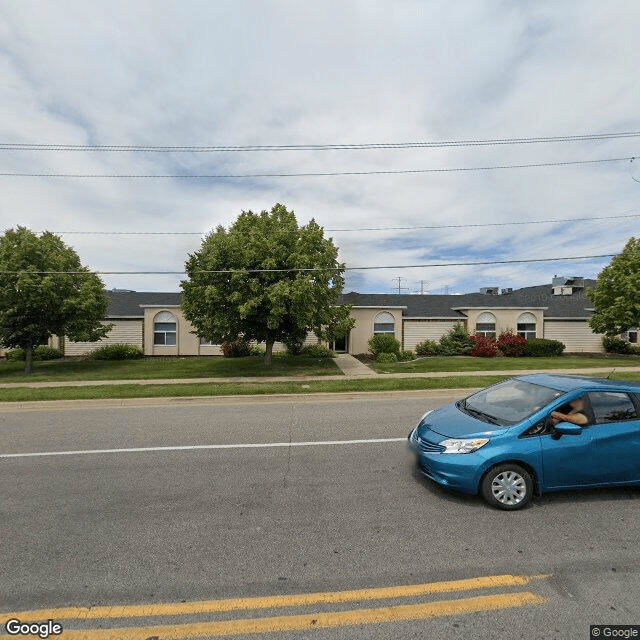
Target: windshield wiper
{"x": 480, "y": 414}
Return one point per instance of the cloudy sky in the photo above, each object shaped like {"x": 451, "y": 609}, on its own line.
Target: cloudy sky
{"x": 347, "y": 72}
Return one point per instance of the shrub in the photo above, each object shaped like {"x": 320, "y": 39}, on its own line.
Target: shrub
{"x": 294, "y": 347}
{"x": 427, "y": 348}
{"x": 510, "y": 344}
{"x": 15, "y": 355}
{"x": 317, "y": 351}
{"x": 386, "y": 358}
{"x": 257, "y": 350}
{"x": 384, "y": 343}
{"x": 484, "y": 347}
{"x": 407, "y": 354}
{"x": 456, "y": 343}
{"x": 42, "y": 352}
{"x": 238, "y": 348}
{"x": 541, "y": 347}
{"x": 117, "y": 352}
{"x": 613, "y": 344}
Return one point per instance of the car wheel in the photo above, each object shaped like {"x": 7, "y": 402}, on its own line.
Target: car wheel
{"x": 507, "y": 486}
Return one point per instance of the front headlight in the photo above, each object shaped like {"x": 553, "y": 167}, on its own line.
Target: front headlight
{"x": 458, "y": 445}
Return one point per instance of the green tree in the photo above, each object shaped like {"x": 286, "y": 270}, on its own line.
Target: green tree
{"x": 36, "y": 305}
{"x": 616, "y": 296}
{"x": 251, "y": 281}
{"x": 335, "y": 324}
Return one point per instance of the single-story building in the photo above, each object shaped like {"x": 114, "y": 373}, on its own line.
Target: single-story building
{"x": 559, "y": 311}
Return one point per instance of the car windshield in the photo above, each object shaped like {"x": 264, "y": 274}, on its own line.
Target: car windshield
{"x": 509, "y": 402}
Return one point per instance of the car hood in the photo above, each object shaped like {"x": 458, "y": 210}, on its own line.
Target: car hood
{"x": 450, "y": 422}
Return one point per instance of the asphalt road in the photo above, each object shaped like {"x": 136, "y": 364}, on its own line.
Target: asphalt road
{"x": 169, "y": 525}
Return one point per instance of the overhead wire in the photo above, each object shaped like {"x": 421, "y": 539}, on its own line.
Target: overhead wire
{"x": 27, "y": 146}
{"x": 307, "y": 270}
{"x": 359, "y": 229}
{"x": 310, "y": 174}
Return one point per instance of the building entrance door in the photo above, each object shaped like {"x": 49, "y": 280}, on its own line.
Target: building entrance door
{"x": 340, "y": 345}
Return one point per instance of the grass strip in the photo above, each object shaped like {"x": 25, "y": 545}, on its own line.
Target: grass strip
{"x": 461, "y": 364}
{"x": 232, "y": 389}
{"x": 257, "y": 388}
{"x": 168, "y": 368}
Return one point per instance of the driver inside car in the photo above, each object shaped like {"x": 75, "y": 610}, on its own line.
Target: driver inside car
{"x": 574, "y": 416}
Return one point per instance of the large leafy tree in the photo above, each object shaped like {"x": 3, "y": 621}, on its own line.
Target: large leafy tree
{"x": 34, "y": 305}
{"x": 265, "y": 278}
{"x": 616, "y": 296}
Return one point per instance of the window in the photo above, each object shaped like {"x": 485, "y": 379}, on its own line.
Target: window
{"x": 633, "y": 336}
{"x": 384, "y": 323}
{"x": 527, "y": 326}
{"x": 164, "y": 329}
{"x": 612, "y": 406}
{"x": 208, "y": 343}
{"x": 486, "y": 325}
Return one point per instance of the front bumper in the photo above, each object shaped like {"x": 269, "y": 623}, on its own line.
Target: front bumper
{"x": 458, "y": 471}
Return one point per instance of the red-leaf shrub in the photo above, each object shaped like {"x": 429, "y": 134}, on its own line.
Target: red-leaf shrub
{"x": 484, "y": 347}
{"x": 238, "y": 348}
{"x": 510, "y": 344}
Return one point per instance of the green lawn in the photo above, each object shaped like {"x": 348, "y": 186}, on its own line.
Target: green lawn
{"x": 22, "y": 394}
{"x": 256, "y": 388}
{"x": 168, "y": 368}
{"x": 467, "y": 363}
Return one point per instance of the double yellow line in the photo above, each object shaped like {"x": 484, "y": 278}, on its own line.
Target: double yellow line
{"x": 318, "y": 620}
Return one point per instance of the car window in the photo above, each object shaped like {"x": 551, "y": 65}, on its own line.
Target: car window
{"x": 511, "y": 401}
{"x": 570, "y": 410}
{"x": 612, "y": 406}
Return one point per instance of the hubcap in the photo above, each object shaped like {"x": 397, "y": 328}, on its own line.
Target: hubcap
{"x": 509, "y": 488}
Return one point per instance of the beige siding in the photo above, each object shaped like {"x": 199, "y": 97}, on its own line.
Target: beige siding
{"x": 575, "y": 334}
{"x": 506, "y": 319}
{"x": 310, "y": 339}
{"x": 363, "y": 329}
{"x": 416, "y": 331}
{"x": 123, "y": 332}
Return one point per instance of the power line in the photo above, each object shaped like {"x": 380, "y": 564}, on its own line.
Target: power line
{"x": 307, "y": 270}
{"x": 25, "y": 146}
{"x": 311, "y": 174}
{"x": 430, "y": 226}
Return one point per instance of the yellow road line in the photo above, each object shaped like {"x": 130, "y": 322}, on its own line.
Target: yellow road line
{"x": 269, "y": 602}
{"x": 310, "y": 621}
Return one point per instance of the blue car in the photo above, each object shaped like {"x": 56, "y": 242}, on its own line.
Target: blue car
{"x": 533, "y": 434}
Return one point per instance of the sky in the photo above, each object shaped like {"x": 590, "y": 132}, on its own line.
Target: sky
{"x": 200, "y": 73}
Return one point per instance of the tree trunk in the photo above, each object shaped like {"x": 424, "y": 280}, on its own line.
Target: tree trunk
{"x": 28, "y": 360}
{"x": 268, "y": 353}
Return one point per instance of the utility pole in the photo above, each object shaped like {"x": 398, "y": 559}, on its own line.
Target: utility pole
{"x": 422, "y": 285}
{"x": 400, "y": 287}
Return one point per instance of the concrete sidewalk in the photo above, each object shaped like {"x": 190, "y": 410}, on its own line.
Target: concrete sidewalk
{"x": 352, "y": 368}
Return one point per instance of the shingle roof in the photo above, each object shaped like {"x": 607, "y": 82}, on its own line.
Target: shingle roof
{"x": 127, "y": 304}
{"x": 427, "y": 306}
{"x": 575, "y": 305}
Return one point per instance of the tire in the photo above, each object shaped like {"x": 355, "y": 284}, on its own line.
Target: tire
{"x": 507, "y": 486}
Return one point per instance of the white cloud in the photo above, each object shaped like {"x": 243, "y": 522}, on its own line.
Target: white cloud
{"x": 205, "y": 73}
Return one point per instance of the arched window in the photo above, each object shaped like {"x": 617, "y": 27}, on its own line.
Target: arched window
{"x": 527, "y": 325}
{"x": 486, "y": 325}
{"x": 384, "y": 323}
{"x": 164, "y": 329}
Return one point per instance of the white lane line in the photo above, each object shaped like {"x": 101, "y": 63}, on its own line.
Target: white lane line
{"x": 201, "y": 446}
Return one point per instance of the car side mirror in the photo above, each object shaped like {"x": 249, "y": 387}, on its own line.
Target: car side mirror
{"x": 568, "y": 429}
